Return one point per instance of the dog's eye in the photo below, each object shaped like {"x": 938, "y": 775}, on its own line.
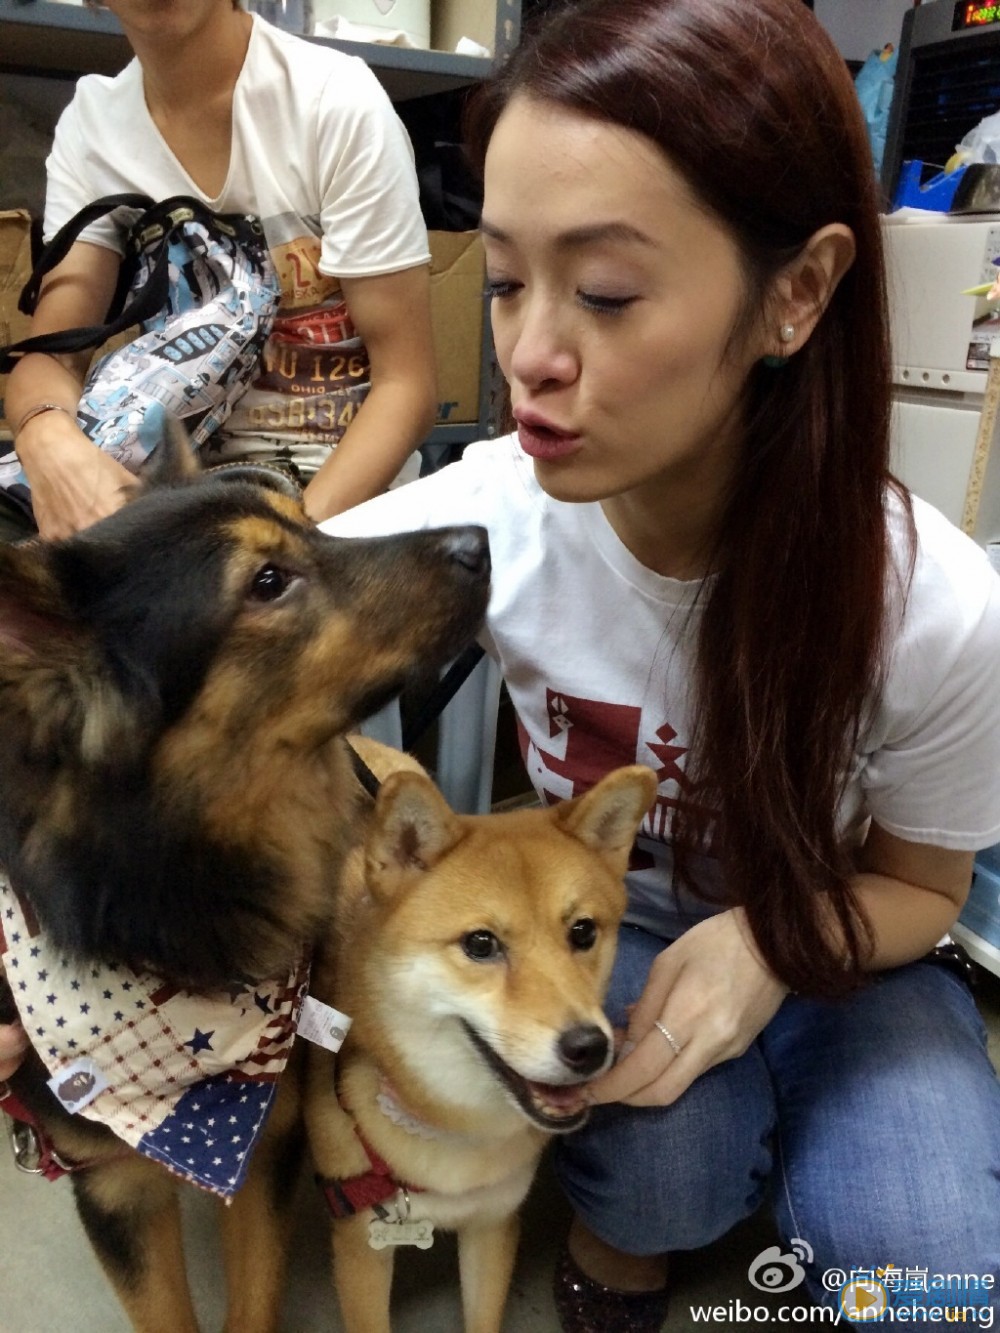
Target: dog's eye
{"x": 583, "y": 933}
{"x": 482, "y": 946}
{"x": 269, "y": 583}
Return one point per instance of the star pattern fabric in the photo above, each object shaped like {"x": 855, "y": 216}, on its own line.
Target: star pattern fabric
{"x": 186, "y": 1078}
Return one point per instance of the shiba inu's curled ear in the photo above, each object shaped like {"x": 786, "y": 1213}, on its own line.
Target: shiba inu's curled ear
{"x": 412, "y": 828}
{"x": 607, "y": 818}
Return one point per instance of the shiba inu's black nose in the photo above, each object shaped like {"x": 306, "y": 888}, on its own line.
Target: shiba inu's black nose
{"x": 469, "y": 547}
{"x": 584, "y": 1048}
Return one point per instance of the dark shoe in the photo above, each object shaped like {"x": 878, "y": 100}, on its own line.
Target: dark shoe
{"x": 585, "y": 1306}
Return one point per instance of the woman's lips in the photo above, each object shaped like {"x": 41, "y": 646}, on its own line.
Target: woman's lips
{"x": 540, "y": 440}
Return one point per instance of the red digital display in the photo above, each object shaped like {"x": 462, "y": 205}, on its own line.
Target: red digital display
{"x": 974, "y": 14}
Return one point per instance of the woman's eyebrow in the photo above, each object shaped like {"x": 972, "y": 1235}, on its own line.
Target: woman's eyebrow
{"x": 575, "y": 237}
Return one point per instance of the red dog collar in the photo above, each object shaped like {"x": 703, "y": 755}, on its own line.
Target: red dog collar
{"x": 347, "y": 1197}
{"x": 33, "y": 1150}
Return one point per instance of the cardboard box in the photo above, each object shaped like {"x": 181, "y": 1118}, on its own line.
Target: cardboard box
{"x": 412, "y": 17}
{"x": 15, "y": 270}
{"x": 458, "y": 274}
{"x": 452, "y": 19}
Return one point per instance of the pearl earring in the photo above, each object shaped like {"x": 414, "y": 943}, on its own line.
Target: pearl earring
{"x": 786, "y": 333}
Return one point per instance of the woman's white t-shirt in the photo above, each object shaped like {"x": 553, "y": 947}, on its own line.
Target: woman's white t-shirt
{"x": 596, "y": 652}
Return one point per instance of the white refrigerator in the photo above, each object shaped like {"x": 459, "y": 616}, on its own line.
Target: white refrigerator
{"x": 944, "y": 446}
{"x": 941, "y": 344}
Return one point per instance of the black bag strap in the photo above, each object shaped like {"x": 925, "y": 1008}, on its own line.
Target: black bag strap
{"x": 152, "y": 230}
{"x": 430, "y": 711}
{"x": 434, "y": 703}
{"x": 363, "y": 773}
{"x": 58, "y": 248}
{"x": 431, "y": 708}
{"x": 52, "y": 255}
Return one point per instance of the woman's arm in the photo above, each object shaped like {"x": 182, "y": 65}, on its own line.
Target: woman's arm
{"x": 391, "y": 312}
{"x": 910, "y": 893}
{"x": 72, "y": 482}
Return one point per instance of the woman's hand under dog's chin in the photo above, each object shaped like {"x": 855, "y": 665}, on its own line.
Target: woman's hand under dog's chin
{"x": 712, "y": 993}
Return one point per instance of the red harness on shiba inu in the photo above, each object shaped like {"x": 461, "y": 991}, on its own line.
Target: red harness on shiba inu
{"x": 346, "y": 1197}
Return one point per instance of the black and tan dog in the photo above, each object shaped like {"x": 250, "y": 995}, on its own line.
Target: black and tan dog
{"x": 175, "y": 796}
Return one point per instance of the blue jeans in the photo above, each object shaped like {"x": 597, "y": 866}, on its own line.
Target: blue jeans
{"x": 874, "y": 1124}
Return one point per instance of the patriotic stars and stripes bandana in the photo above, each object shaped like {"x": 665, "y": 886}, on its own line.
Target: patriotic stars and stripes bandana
{"x": 185, "y": 1078}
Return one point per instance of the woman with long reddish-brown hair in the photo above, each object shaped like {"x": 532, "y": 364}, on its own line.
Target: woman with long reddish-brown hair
{"x": 702, "y": 562}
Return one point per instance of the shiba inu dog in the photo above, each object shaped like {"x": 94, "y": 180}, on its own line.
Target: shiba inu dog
{"x": 175, "y": 802}
{"x": 471, "y": 954}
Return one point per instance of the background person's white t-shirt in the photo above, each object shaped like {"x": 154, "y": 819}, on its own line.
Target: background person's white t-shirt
{"x": 320, "y": 156}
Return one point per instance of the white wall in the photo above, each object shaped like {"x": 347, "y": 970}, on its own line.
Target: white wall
{"x": 862, "y": 26}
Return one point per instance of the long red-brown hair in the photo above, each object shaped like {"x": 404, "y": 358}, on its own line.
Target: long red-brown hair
{"x": 756, "y": 109}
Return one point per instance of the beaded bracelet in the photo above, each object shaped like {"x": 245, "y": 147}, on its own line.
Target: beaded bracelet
{"x": 37, "y": 411}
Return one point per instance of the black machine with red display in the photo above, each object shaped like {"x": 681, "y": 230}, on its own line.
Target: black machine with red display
{"x": 947, "y": 81}
{"x": 974, "y": 15}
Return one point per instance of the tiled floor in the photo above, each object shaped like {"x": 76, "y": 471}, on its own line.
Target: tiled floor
{"x": 49, "y": 1282}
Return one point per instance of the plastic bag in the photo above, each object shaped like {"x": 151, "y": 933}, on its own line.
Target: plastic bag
{"x": 874, "y": 84}
{"x": 981, "y": 144}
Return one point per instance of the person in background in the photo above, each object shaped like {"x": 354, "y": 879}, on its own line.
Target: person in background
{"x": 220, "y": 105}
{"x": 702, "y": 562}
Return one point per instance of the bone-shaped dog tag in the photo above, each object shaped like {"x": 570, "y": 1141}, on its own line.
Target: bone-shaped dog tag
{"x": 418, "y": 1233}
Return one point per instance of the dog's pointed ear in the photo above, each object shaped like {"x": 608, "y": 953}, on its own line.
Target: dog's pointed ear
{"x": 607, "y": 818}
{"x": 33, "y": 614}
{"x": 412, "y": 827}
{"x": 174, "y": 458}
{"x": 62, "y": 699}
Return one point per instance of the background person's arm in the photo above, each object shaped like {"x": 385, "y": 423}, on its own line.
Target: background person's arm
{"x": 73, "y": 483}
{"x": 391, "y": 313}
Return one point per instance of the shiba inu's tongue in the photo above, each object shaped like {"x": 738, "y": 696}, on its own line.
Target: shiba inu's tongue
{"x": 556, "y": 1107}
{"x": 555, "y": 1100}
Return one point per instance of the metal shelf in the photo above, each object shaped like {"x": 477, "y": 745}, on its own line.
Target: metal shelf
{"x": 65, "y": 40}
{"x": 979, "y": 950}
{"x": 454, "y": 435}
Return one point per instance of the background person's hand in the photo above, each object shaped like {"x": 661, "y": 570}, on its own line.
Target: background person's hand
{"x": 13, "y": 1044}
{"x": 73, "y": 483}
{"x": 712, "y": 993}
